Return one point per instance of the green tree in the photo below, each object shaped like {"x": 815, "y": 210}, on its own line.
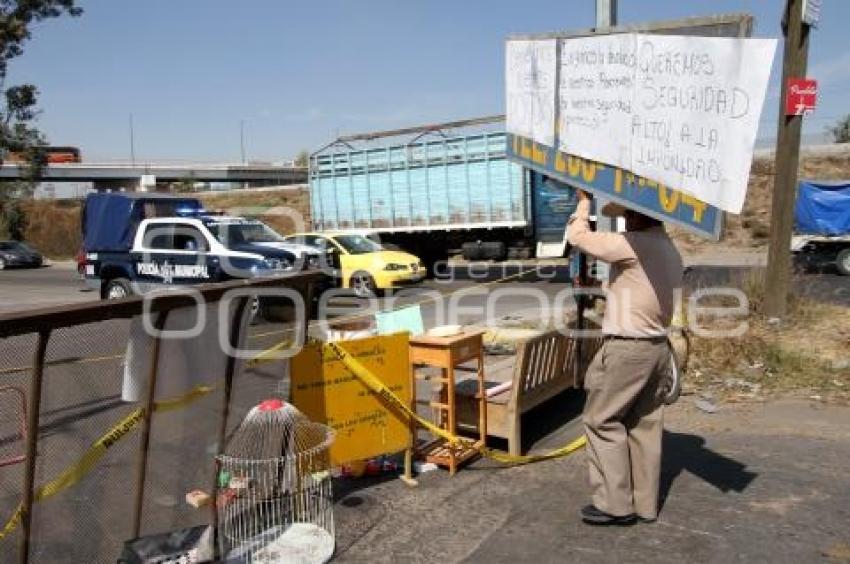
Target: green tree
{"x": 841, "y": 130}
{"x": 18, "y": 103}
{"x": 302, "y": 158}
{"x": 13, "y": 221}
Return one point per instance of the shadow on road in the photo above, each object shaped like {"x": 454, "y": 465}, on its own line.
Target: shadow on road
{"x": 76, "y": 413}
{"x": 688, "y": 452}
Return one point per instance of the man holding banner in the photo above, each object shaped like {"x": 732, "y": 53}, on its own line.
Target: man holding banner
{"x": 623, "y": 414}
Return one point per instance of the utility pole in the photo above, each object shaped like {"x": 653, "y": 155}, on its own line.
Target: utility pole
{"x": 606, "y": 14}
{"x": 606, "y": 17}
{"x": 242, "y": 139}
{"x": 794, "y": 63}
{"x": 132, "y": 143}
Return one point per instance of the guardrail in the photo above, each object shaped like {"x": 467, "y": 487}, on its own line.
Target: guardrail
{"x": 55, "y": 327}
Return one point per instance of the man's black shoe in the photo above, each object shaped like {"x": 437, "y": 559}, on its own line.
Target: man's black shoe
{"x": 593, "y": 516}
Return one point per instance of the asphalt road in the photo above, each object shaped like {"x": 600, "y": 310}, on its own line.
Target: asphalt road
{"x": 81, "y": 400}
{"x": 27, "y": 288}
{"x": 22, "y": 289}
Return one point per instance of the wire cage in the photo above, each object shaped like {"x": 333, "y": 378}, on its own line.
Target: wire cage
{"x": 275, "y": 500}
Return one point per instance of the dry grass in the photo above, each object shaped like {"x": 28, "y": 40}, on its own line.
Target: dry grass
{"x": 53, "y": 227}
{"x": 808, "y": 351}
{"x": 751, "y": 229}
{"x": 264, "y": 206}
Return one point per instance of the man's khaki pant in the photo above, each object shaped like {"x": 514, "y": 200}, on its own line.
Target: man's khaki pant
{"x": 623, "y": 420}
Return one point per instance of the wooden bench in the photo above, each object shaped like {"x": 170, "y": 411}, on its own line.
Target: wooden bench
{"x": 543, "y": 367}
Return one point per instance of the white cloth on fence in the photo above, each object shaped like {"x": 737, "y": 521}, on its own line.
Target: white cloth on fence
{"x": 183, "y": 363}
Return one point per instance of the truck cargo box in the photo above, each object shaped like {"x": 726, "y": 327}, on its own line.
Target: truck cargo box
{"x": 823, "y": 208}
{"x": 109, "y": 220}
{"x": 460, "y": 182}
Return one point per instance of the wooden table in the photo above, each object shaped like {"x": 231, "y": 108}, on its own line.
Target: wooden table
{"x": 446, "y": 353}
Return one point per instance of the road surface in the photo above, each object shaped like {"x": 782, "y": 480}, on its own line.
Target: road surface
{"x": 22, "y": 289}
{"x": 81, "y": 400}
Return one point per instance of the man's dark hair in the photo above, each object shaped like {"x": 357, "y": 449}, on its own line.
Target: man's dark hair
{"x": 636, "y": 221}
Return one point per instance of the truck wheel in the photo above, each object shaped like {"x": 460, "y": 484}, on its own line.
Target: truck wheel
{"x": 363, "y": 285}
{"x": 842, "y": 262}
{"x": 519, "y": 253}
{"x": 471, "y": 251}
{"x": 493, "y": 250}
{"x": 117, "y": 288}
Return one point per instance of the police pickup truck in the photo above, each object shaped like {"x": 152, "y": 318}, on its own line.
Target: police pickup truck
{"x": 138, "y": 242}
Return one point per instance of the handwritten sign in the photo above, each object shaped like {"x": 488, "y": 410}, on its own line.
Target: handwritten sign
{"x": 327, "y": 392}
{"x": 530, "y": 89}
{"x": 679, "y": 110}
{"x": 647, "y": 196}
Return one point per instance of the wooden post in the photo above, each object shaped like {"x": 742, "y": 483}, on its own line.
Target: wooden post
{"x": 606, "y": 14}
{"x": 581, "y": 303}
{"x": 407, "y": 476}
{"x": 309, "y": 290}
{"x": 147, "y": 420}
{"x": 33, "y": 413}
{"x": 787, "y": 160}
{"x": 482, "y": 396}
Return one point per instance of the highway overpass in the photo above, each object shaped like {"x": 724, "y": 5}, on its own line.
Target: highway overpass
{"x": 128, "y": 175}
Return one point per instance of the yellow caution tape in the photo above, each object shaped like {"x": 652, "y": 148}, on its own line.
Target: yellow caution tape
{"x": 74, "y": 473}
{"x": 381, "y": 390}
{"x": 506, "y": 458}
{"x": 270, "y": 354}
{"x": 84, "y": 465}
{"x": 13, "y": 522}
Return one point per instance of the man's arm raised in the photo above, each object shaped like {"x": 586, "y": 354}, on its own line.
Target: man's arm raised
{"x": 609, "y": 247}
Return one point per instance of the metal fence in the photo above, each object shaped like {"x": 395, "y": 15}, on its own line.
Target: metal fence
{"x": 81, "y": 470}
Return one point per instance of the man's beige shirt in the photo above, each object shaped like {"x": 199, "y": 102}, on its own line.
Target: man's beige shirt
{"x": 645, "y": 277}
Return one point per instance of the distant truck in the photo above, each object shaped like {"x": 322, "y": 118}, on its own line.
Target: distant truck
{"x": 135, "y": 242}
{"x": 52, "y": 155}
{"x": 822, "y": 225}
{"x": 438, "y": 195}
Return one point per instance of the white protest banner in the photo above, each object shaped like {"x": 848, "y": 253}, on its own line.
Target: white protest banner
{"x": 530, "y": 89}
{"x": 680, "y": 110}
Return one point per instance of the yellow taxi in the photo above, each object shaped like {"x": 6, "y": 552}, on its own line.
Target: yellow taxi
{"x": 366, "y": 267}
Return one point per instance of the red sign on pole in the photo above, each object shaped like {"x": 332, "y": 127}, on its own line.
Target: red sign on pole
{"x": 801, "y": 97}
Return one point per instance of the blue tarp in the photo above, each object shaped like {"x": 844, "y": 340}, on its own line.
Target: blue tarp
{"x": 109, "y": 220}
{"x": 823, "y": 208}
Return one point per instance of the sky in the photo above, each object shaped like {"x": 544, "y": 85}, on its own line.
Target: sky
{"x": 295, "y": 75}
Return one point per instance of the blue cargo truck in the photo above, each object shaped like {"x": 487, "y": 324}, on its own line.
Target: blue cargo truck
{"x": 439, "y": 190}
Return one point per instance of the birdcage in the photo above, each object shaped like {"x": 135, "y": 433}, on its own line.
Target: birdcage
{"x": 274, "y": 500}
